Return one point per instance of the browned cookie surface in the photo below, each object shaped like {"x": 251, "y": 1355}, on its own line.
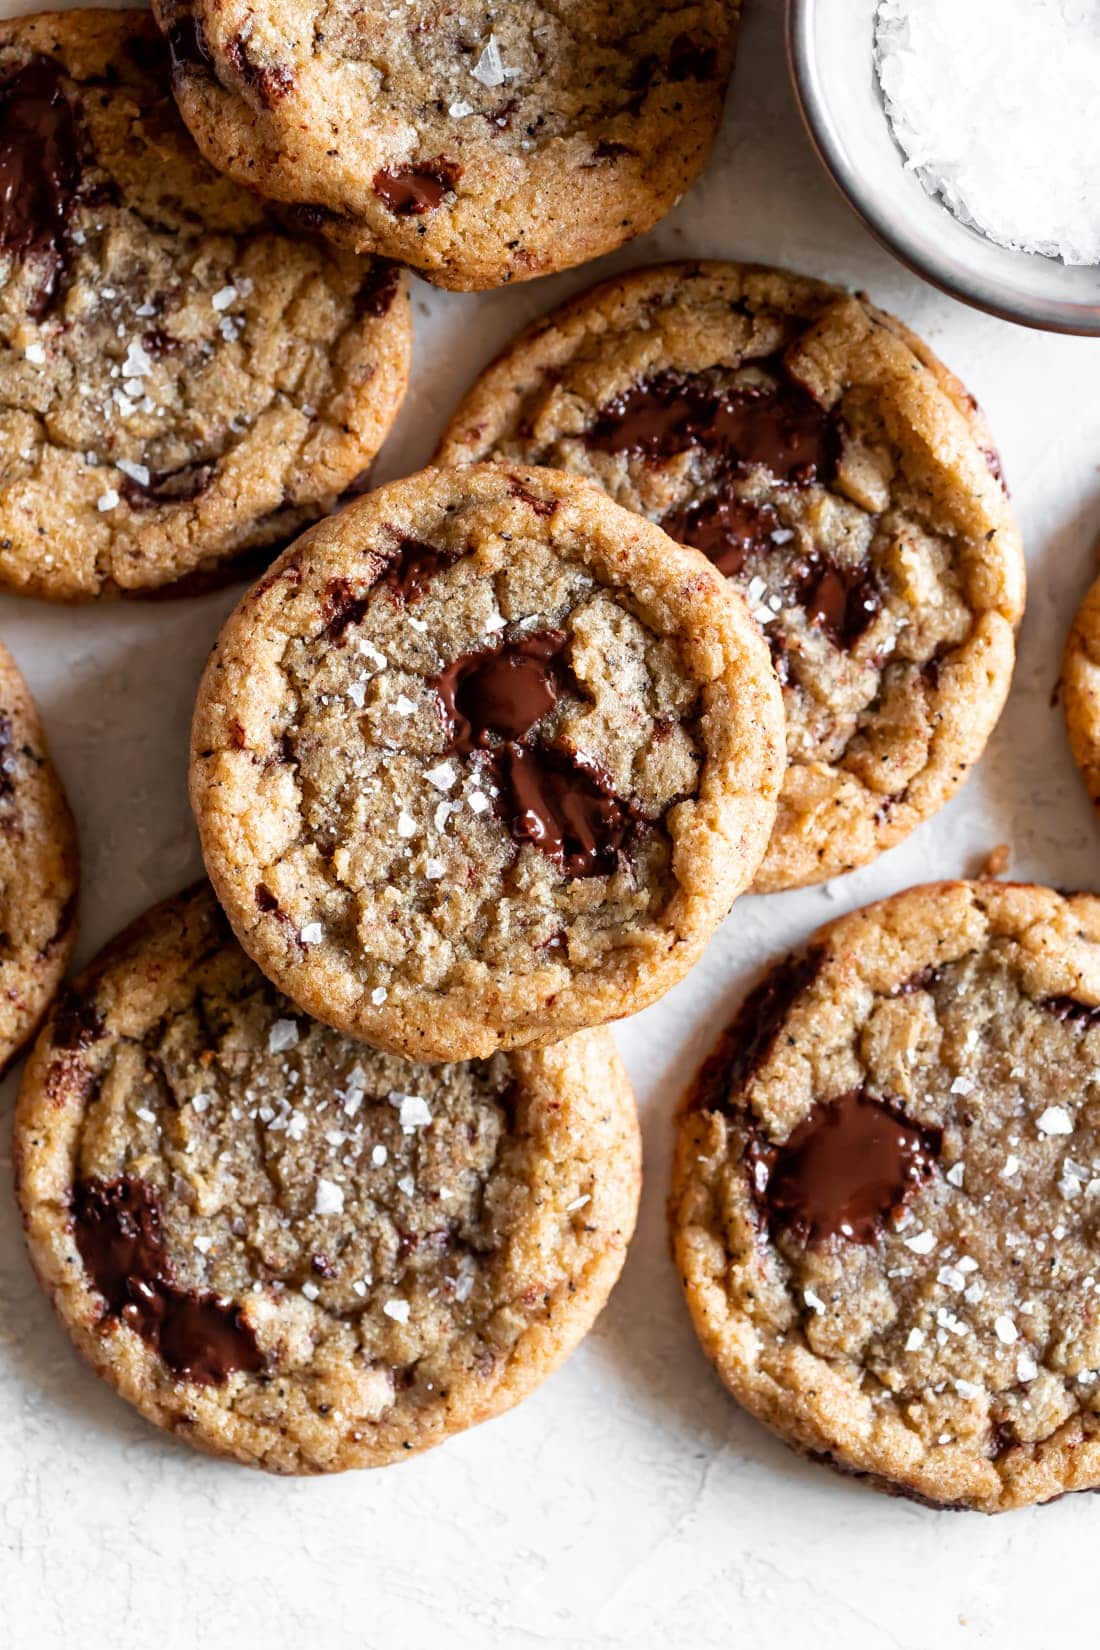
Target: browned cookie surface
{"x": 291, "y": 1249}
{"x": 483, "y": 760}
{"x": 837, "y": 474}
{"x": 480, "y": 144}
{"x": 38, "y": 867}
{"x": 1080, "y": 690}
{"x": 886, "y": 1196}
{"x": 181, "y": 380}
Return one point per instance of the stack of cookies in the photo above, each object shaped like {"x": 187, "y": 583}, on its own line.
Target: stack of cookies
{"x": 712, "y": 587}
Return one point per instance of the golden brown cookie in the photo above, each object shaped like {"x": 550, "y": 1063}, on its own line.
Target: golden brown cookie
{"x": 480, "y": 144}
{"x": 841, "y": 478}
{"x": 182, "y": 381}
{"x": 38, "y": 867}
{"x": 292, "y": 1250}
{"x": 484, "y": 759}
{"x": 886, "y": 1196}
{"x": 1081, "y": 690}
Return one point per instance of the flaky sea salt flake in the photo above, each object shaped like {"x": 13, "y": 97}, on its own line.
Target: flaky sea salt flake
{"x": 489, "y": 69}
{"x": 329, "y": 1198}
{"x": 283, "y": 1035}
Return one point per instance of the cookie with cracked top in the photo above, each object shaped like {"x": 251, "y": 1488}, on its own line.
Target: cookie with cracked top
{"x": 481, "y": 144}
{"x": 838, "y": 474}
{"x": 183, "y": 382}
{"x": 39, "y": 870}
{"x": 292, "y": 1250}
{"x": 884, "y": 1199}
{"x": 485, "y": 759}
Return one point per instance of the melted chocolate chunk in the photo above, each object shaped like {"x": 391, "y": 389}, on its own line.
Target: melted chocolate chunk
{"x": 271, "y": 82}
{"x": 265, "y": 899}
{"x": 413, "y": 568}
{"x": 842, "y": 601}
{"x": 341, "y": 607}
{"x": 409, "y": 191}
{"x": 166, "y": 486}
{"x": 844, "y": 1172}
{"x": 494, "y": 695}
{"x": 780, "y": 428}
{"x": 725, "y": 528}
{"x": 378, "y": 291}
{"x": 40, "y": 169}
{"x": 1071, "y": 1012}
{"x": 565, "y": 808}
{"x": 77, "y": 1024}
{"x": 491, "y": 701}
{"x": 187, "y": 47}
{"x": 202, "y": 1337}
{"x": 746, "y": 1044}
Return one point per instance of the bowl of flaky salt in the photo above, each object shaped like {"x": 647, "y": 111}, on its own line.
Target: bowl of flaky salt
{"x": 966, "y": 134}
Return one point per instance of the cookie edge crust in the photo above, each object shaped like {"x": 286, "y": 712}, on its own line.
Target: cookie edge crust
{"x": 950, "y": 1477}
{"x": 981, "y": 665}
{"x": 577, "y": 1069}
{"x": 1081, "y": 690}
{"x": 34, "y": 988}
{"x": 717, "y": 838}
{"x": 382, "y": 342}
{"x": 211, "y": 111}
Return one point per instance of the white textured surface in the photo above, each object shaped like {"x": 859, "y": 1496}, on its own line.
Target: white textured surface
{"x": 629, "y": 1503}
{"x": 1000, "y": 115}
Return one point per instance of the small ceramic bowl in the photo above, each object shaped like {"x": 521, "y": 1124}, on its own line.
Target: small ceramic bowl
{"x": 831, "y": 48}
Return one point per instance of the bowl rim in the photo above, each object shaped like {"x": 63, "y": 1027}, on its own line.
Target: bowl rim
{"x": 1043, "y": 314}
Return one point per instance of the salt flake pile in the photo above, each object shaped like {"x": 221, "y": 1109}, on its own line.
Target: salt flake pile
{"x": 996, "y": 104}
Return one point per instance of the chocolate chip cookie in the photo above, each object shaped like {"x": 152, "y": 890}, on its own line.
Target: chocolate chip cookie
{"x": 844, "y": 481}
{"x": 182, "y": 381}
{"x": 290, "y": 1249}
{"x": 484, "y": 759}
{"x": 1081, "y": 690}
{"x": 38, "y": 867}
{"x": 480, "y": 144}
{"x": 886, "y": 1196}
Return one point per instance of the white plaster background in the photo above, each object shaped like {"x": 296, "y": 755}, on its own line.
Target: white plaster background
{"x": 629, "y": 1502}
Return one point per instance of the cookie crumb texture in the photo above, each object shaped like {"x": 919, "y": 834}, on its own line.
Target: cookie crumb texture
{"x": 480, "y": 145}
{"x": 38, "y": 867}
{"x": 292, "y": 1250}
{"x": 843, "y": 480}
{"x": 181, "y": 380}
{"x": 886, "y": 1196}
{"x": 483, "y": 760}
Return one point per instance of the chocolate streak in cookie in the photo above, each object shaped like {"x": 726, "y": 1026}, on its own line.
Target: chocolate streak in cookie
{"x": 40, "y": 167}
{"x": 118, "y": 1232}
{"x": 782, "y": 429}
{"x": 491, "y": 700}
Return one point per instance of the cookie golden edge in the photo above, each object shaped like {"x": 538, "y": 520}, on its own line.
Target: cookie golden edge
{"x": 49, "y": 862}
{"x": 596, "y": 212}
{"x": 357, "y": 431}
{"x": 951, "y": 425}
{"x": 579, "y": 1081}
{"x": 913, "y": 924}
{"x": 718, "y": 837}
{"x": 1081, "y": 690}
